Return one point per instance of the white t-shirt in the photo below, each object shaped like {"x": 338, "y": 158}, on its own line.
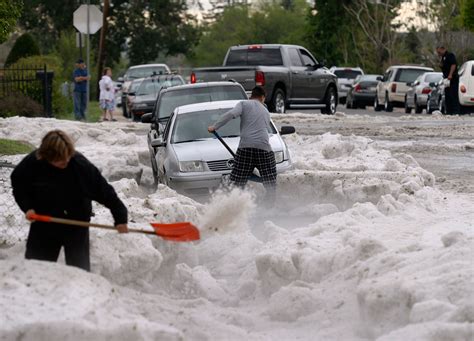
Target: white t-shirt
{"x": 107, "y": 90}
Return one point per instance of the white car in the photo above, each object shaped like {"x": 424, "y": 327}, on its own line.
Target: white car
{"x": 466, "y": 86}
{"x": 396, "y": 81}
{"x": 192, "y": 161}
{"x": 345, "y": 79}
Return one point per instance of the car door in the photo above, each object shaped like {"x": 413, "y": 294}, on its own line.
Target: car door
{"x": 298, "y": 76}
{"x": 316, "y": 77}
{"x": 161, "y": 152}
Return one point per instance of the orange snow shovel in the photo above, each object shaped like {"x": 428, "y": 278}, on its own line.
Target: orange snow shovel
{"x": 178, "y": 232}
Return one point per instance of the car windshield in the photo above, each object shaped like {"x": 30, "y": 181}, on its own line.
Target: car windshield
{"x": 347, "y": 73}
{"x": 134, "y": 86}
{"x": 408, "y": 75}
{"x": 154, "y": 85}
{"x": 433, "y": 78}
{"x": 172, "y": 99}
{"x": 146, "y": 72}
{"x": 254, "y": 56}
{"x": 192, "y": 126}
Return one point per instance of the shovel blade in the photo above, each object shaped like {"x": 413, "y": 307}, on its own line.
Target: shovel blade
{"x": 178, "y": 232}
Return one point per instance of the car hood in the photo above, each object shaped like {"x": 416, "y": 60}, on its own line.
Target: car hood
{"x": 213, "y": 150}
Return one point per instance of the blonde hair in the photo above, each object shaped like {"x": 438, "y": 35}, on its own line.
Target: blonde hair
{"x": 56, "y": 146}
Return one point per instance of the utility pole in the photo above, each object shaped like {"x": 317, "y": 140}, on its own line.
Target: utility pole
{"x": 102, "y": 43}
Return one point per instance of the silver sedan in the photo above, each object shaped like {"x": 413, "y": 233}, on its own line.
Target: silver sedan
{"x": 193, "y": 162}
{"x": 417, "y": 95}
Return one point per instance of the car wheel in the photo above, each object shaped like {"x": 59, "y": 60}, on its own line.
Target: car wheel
{"x": 362, "y": 106}
{"x": 376, "y": 103}
{"x": 330, "y": 102}
{"x": 124, "y": 107}
{"x": 388, "y": 106}
{"x": 348, "y": 103}
{"x": 418, "y": 109}
{"x": 278, "y": 104}
{"x": 429, "y": 109}
{"x": 407, "y": 108}
{"x": 442, "y": 107}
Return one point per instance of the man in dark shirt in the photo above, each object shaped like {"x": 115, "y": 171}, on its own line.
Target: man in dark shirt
{"x": 56, "y": 180}
{"x": 81, "y": 77}
{"x": 449, "y": 67}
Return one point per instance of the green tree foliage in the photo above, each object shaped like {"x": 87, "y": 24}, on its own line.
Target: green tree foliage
{"x": 10, "y": 11}
{"x": 329, "y": 33}
{"x": 468, "y": 14}
{"x": 269, "y": 23}
{"x": 24, "y": 46}
{"x": 412, "y": 46}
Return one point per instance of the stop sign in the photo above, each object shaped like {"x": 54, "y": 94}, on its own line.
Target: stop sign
{"x": 80, "y": 19}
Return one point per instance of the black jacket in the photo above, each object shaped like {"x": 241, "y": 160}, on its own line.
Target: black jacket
{"x": 64, "y": 193}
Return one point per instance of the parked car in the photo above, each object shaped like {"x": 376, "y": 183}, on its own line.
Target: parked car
{"x": 466, "y": 86}
{"x": 362, "y": 92}
{"x": 435, "y": 99}
{"x": 392, "y": 88}
{"x": 146, "y": 93}
{"x": 139, "y": 71}
{"x": 345, "y": 79}
{"x": 171, "y": 98}
{"x": 191, "y": 161}
{"x": 131, "y": 92}
{"x": 417, "y": 95}
{"x": 290, "y": 75}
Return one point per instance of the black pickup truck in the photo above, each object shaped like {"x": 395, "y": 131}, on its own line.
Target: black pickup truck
{"x": 290, "y": 75}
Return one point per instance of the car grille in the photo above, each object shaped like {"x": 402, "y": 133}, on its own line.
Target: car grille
{"x": 219, "y": 165}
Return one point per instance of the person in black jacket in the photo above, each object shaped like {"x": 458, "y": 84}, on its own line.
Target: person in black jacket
{"x": 449, "y": 67}
{"x": 58, "y": 181}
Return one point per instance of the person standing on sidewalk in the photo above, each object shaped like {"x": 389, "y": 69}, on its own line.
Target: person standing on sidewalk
{"x": 449, "y": 67}
{"x": 81, "y": 77}
{"x": 57, "y": 181}
{"x": 254, "y": 149}
{"x": 107, "y": 95}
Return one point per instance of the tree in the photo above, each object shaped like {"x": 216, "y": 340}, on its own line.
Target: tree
{"x": 375, "y": 18}
{"x": 328, "y": 33}
{"x": 10, "y": 11}
{"x": 468, "y": 14}
{"x": 25, "y": 46}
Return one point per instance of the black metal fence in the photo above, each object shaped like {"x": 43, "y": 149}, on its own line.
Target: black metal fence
{"x": 32, "y": 81}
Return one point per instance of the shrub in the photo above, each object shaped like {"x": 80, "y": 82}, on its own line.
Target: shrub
{"x": 17, "y": 104}
{"x": 25, "y": 46}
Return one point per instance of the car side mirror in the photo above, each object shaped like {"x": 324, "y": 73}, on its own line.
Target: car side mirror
{"x": 286, "y": 130}
{"x": 120, "y": 80}
{"x": 158, "y": 142}
{"x": 147, "y": 118}
{"x": 432, "y": 84}
{"x": 131, "y": 93}
{"x": 409, "y": 83}
{"x": 379, "y": 78}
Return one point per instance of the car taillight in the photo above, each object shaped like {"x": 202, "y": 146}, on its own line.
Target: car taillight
{"x": 357, "y": 88}
{"x": 394, "y": 87}
{"x": 259, "y": 78}
{"x": 254, "y": 47}
{"x": 463, "y": 89}
{"x": 193, "y": 78}
{"x": 426, "y": 91}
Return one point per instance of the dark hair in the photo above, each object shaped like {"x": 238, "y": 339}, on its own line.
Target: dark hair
{"x": 258, "y": 91}
{"x": 105, "y": 70}
{"x": 80, "y": 61}
{"x": 440, "y": 46}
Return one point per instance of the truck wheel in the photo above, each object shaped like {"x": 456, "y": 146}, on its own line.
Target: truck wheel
{"x": 388, "y": 105}
{"x": 330, "y": 101}
{"x": 278, "y": 104}
{"x": 376, "y": 103}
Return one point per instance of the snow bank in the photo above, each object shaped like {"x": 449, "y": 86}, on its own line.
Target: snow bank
{"x": 360, "y": 245}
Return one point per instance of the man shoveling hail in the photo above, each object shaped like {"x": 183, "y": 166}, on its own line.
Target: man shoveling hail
{"x": 254, "y": 149}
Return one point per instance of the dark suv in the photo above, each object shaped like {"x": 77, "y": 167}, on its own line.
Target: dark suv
{"x": 171, "y": 98}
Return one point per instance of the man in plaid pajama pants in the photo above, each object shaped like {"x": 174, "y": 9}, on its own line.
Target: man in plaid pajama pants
{"x": 254, "y": 149}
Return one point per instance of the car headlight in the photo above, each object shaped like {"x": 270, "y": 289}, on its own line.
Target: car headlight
{"x": 191, "y": 166}
{"x": 279, "y": 157}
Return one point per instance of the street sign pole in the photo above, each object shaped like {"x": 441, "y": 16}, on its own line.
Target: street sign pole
{"x": 88, "y": 57}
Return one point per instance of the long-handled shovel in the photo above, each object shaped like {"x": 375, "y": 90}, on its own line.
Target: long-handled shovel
{"x": 178, "y": 232}
{"x": 254, "y": 177}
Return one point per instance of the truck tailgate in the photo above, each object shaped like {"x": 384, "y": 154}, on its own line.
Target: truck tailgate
{"x": 244, "y": 75}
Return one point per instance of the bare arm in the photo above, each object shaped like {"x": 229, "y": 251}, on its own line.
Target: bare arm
{"x": 451, "y": 71}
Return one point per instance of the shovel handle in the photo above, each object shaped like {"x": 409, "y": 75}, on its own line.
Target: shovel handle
{"x": 223, "y": 143}
{"x": 48, "y": 219}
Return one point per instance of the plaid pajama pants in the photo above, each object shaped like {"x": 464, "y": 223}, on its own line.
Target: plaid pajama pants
{"x": 249, "y": 158}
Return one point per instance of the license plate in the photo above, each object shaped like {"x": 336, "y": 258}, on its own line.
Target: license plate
{"x": 372, "y": 89}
